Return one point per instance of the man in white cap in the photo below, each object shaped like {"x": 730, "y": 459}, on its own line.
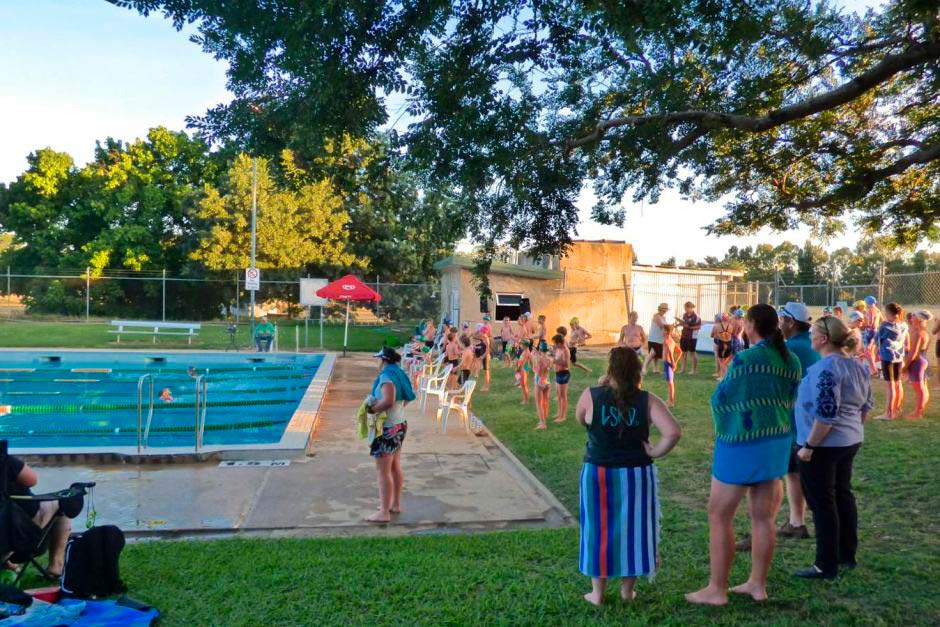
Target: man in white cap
{"x": 655, "y": 342}
{"x": 795, "y": 325}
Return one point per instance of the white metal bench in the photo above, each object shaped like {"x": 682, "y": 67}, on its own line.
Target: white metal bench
{"x": 144, "y": 327}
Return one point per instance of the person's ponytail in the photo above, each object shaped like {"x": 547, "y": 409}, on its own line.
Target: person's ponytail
{"x": 767, "y": 324}
{"x": 777, "y": 341}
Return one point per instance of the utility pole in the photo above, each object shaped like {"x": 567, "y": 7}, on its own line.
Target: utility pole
{"x": 254, "y": 217}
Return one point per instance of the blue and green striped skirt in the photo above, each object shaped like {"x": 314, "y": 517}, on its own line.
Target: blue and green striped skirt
{"x": 619, "y": 521}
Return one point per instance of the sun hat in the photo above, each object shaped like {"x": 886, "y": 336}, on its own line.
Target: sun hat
{"x": 795, "y": 311}
{"x": 924, "y": 315}
{"x": 388, "y": 354}
{"x": 871, "y": 300}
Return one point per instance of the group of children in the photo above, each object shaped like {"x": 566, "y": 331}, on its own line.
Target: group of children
{"x": 523, "y": 346}
{"x": 899, "y": 342}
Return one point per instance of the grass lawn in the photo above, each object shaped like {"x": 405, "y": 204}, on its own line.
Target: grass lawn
{"x": 530, "y": 577}
{"x": 15, "y": 334}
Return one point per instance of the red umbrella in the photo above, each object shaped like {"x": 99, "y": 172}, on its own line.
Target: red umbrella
{"x": 348, "y": 288}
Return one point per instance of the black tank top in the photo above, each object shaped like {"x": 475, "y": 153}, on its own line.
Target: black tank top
{"x": 616, "y": 440}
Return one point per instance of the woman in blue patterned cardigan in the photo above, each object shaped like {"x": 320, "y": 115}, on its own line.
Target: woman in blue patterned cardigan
{"x": 751, "y": 413}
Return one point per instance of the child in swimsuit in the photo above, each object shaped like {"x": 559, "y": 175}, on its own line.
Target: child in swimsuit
{"x": 562, "y": 362}
{"x": 523, "y": 368}
{"x": 466, "y": 360}
{"x": 542, "y": 364}
{"x": 452, "y": 352}
{"x": 916, "y": 361}
{"x": 671, "y": 356}
{"x": 722, "y": 333}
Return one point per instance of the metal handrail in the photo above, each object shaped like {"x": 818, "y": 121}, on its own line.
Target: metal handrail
{"x": 141, "y": 434}
{"x": 201, "y": 404}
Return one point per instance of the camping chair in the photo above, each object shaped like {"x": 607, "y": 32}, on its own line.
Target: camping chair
{"x": 435, "y": 386}
{"x": 458, "y": 400}
{"x": 22, "y": 540}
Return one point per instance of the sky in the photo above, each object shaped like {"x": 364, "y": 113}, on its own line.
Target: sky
{"x": 76, "y": 71}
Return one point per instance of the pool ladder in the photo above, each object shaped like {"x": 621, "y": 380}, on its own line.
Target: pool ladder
{"x": 143, "y": 428}
{"x": 143, "y": 432}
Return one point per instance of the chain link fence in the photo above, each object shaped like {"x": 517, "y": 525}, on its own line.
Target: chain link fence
{"x": 43, "y": 294}
{"x": 918, "y": 290}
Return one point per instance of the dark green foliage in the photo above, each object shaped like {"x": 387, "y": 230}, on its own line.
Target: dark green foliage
{"x": 786, "y": 110}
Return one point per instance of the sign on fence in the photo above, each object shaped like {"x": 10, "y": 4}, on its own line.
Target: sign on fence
{"x": 308, "y": 292}
{"x": 252, "y": 279}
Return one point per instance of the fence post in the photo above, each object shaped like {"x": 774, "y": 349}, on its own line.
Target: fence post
{"x": 776, "y": 288}
{"x": 163, "y": 300}
{"x": 378, "y": 305}
{"x": 881, "y": 282}
{"x": 237, "y": 305}
{"x": 87, "y": 293}
{"x": 8, "y": 280}
{"x": 801, "y": 295}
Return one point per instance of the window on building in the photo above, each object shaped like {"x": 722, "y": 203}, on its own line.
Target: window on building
{"x": 509, "y": 305}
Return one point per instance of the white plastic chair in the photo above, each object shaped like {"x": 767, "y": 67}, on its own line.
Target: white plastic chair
{"x": 435, "y": 386}
{"x": 458, "y": 400}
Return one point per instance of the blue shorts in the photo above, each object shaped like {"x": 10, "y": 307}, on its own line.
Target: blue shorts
{"x": 668, "y": 373}
{"x": 562, "y": 377}
{"x": 868, "y": 336}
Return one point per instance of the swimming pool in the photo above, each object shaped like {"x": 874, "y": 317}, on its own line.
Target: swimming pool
{"x": 92, "y": 401}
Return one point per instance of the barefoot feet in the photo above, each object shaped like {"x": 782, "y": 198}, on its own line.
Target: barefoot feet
{"x": 594, "y": 599}
{"x": 708, "y": 596}
{"x": 757, "y": 591}
{"x": 379, "y": 517}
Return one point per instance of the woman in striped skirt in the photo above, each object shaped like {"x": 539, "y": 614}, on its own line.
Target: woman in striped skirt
{"x": 619, "y": 503}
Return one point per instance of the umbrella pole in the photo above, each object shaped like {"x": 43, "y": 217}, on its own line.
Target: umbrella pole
{"x": 346, "y": 330}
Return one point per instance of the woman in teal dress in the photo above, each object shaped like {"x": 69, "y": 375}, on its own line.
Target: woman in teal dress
{"x": 751, "y": 412}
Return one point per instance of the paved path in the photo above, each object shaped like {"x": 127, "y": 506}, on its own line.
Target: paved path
{"x": 452, "y": 481}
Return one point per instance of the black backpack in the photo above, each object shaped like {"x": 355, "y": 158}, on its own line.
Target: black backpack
{"x": 91, "y": 563}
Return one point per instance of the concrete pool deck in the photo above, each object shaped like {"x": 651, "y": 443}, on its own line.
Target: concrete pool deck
{"x": 453, "y": 481}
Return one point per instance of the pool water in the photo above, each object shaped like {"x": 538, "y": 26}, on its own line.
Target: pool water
{"x": 89, "y": 399}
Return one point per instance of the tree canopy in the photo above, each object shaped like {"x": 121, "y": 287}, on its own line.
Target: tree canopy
{"x": 787, "y": 111}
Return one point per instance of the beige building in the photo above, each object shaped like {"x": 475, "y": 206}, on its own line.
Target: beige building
{"x": 591, "y": 282}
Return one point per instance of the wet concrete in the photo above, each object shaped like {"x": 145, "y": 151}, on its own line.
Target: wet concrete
{"x": 452, "y": 481}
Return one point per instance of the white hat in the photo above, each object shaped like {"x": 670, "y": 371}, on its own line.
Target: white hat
{"x": 924, "y": 315}
{"x": 856, "y": 315}
{"x": 795, "y": 311}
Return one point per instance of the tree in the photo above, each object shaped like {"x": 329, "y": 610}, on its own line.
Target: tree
{"x": 793, "y": 109}
{"x": 296, "y": 228}
{"x": 127, "y": 210}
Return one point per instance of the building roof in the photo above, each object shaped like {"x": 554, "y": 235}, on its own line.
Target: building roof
{"x": 498, "y": 267}
{"x": 729, "y": 272}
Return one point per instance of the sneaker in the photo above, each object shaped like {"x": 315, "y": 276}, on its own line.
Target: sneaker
{"x": 790, "y": 531}
{"x": 744, "y": 544}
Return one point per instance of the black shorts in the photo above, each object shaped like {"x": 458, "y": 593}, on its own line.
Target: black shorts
{"x": 452, "y": 363}
{"x": 891, "y": 370}
{"x": 722, "y": 349}
{"x": 562, "y": 377}
{"x": 794, "y": 464}
{"x": 429, "y": 343}
{"x": 486, "y": 362}
{"x": 463, "y": 377}
{"x": 574, "y": 354}
{"x": 688, "y": 344}
{"x": 656, "y": 348}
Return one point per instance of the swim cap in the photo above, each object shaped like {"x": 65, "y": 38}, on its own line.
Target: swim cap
{"x": 574, "y": 321}
{"x": 924, "y": 315}
{"x": 870, "y": 300}
{"x": 859, "y": 303}
{"x": 739, "y": 313}
{"x": 856, "y": 316}
{"x": 717, "y": 317}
